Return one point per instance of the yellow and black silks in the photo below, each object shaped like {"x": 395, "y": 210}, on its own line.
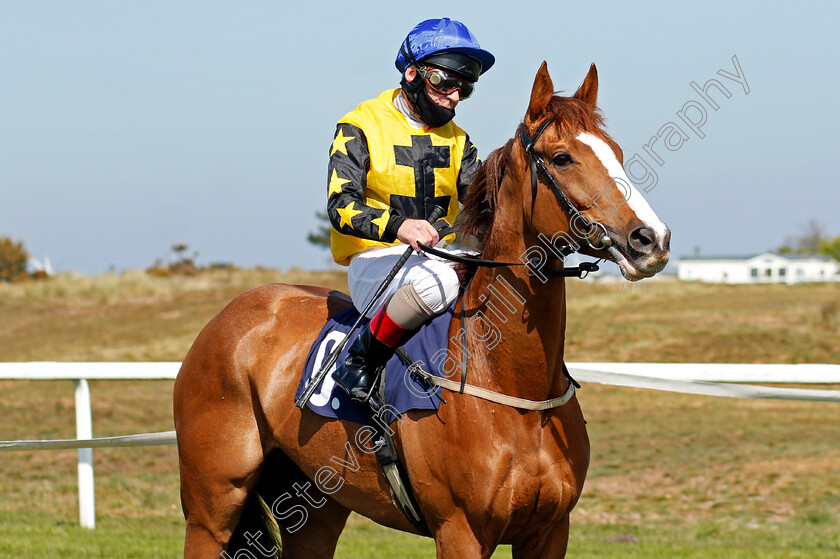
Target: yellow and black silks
{"x": 383, "y": 171}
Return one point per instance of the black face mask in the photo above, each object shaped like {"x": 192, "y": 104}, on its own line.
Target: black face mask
{"x": 432, "y": 114}
{"x": 429, "y": 112}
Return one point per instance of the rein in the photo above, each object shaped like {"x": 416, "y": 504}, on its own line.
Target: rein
{"x": 580, "y": 271}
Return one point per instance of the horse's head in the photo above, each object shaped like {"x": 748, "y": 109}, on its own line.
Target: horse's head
{"x": 571, "y": 150}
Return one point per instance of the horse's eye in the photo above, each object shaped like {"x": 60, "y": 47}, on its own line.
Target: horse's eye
{"x": 562, "y": 160}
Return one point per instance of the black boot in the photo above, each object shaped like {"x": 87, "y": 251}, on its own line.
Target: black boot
{"x": 364, "y": 357}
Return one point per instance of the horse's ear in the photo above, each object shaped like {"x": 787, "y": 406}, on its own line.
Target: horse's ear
{"x": 588, "y": 90}
{"x": 541, "y": 93}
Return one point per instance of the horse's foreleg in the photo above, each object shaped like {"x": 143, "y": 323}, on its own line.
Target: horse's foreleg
{"x": 455, "y": 539}
{"x": 551, "y": 545}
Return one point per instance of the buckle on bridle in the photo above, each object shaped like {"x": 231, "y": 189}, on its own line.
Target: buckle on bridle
{"x": 585, "y": 268}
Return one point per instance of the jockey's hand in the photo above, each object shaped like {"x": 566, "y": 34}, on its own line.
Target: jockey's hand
{"x": 414, "y": 231}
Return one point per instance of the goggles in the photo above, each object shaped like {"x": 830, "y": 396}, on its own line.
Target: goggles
{"x": 444, "y": 82}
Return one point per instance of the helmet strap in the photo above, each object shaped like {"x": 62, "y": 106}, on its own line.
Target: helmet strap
{"x": 411, "y": 89}
{"x": 424, "y": 106}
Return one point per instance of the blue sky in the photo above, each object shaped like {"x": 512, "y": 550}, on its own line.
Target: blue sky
{"x": 128, "y": 127}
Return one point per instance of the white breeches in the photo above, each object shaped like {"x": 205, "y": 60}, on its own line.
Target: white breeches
{"x": 433, "y": 278}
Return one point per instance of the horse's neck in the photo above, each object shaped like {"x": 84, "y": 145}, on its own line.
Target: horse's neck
{"x": 516, "y": 325}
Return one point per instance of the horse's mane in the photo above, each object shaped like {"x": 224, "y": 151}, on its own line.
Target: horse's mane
{"x": 480, "y": 201}
{"x": 570, "y": 115}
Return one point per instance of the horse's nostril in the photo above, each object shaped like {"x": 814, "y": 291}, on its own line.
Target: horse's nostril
{"x": 642, "y": 239}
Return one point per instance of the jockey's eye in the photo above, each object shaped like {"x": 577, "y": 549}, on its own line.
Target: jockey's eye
{"x": 562, "y": 160}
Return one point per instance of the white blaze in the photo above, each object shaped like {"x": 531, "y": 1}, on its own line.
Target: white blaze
{"x": 634, "y": 199}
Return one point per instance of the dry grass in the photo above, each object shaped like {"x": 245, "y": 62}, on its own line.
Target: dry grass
{"x": 671, "y": 321}
{"x": 684, "y": 459}
{"x": 127, "y": 317}
{"x": 688, "y": 466}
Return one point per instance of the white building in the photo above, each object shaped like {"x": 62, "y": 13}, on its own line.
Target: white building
{"x": 764, "y": 268}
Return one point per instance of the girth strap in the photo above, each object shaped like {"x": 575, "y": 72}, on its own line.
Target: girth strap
{"x": 386, "y": 454}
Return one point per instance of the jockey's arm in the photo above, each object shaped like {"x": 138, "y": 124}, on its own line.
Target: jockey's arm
{"x": 469, "y": 165}
{"x": 346, "y": 180}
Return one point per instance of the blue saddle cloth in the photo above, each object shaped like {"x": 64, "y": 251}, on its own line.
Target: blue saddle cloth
{"x": 427, "y": 346}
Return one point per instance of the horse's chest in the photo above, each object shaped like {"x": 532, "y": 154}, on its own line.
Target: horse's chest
{"x": 541, "y": 484}
{"x": 534, "y": 479}
{"x": 503, "y": 468}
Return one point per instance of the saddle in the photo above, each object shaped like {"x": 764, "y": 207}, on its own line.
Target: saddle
{"x": 401, "y": 389}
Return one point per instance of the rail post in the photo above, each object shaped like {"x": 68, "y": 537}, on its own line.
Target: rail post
{"x": 84, "y": 430}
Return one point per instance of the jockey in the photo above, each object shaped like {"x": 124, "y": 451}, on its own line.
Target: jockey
{"x": 393, "y": 159}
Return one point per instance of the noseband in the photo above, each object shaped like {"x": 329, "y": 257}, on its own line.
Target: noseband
{"x": 538, "y": 164}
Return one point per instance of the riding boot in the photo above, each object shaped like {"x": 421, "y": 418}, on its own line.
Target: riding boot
{"x": 404, "y": 313}
{"x": 371, "y": 350}
{"x": 363, "y": 358}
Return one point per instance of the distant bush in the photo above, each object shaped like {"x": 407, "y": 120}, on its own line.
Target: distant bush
{"x": 321, "y": 236}
{"x": 13, "y": 259}
{"x": 182, "y": 265}
{"x": 223, "y": 266}
{"x": 830, "y": 248}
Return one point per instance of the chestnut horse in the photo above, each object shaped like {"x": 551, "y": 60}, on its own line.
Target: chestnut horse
{"x": 483, "y": 473}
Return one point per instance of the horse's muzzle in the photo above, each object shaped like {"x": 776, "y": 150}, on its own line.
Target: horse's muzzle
{"x": 644, "y": 254}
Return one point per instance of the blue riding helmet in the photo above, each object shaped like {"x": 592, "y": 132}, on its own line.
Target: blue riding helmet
{"x": 447, "y": 44}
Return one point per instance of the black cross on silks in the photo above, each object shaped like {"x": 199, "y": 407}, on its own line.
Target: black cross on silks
{"x": 424, "y": 158}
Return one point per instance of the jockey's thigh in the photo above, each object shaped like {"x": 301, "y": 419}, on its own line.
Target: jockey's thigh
{"x": 434, "y": 280}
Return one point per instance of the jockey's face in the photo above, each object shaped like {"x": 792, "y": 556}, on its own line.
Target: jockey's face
{"x": 446, "y": 100}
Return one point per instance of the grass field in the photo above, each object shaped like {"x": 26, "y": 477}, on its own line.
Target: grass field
{"x": 671, "y": 476}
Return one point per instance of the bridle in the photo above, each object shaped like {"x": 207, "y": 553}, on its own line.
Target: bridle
{"x": 538, "y": 164}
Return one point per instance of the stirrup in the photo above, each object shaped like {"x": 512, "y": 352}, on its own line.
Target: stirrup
{"x": 341, "y": 381}
{"x": 369, "y": 399}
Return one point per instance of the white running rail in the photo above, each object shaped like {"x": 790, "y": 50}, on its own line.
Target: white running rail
{"x": 692, "y": 378}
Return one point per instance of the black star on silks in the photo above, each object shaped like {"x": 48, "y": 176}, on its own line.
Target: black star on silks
{"x": 424, "y": 158}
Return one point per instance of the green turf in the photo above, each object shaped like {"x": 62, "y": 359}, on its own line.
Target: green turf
{"x": 29, "y": 536}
